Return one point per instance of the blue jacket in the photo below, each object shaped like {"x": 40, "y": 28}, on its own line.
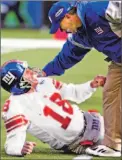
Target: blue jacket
{"x": 99, "y": 30}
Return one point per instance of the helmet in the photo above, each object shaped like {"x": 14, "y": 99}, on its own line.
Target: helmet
{"x": 11, "y": 74}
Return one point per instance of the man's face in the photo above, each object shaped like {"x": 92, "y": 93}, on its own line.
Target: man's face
{"x": 31, "y": 77}
{"x": 70, "y": 23}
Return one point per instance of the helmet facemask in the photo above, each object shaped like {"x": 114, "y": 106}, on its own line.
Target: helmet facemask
{"x": 29, "y": 80}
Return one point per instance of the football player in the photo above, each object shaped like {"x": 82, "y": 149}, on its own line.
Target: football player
{"x": 39, "y": 105}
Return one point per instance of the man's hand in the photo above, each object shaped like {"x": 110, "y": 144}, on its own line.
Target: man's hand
{"x": 28, "y": 148}
{"x": 98, "y": 81}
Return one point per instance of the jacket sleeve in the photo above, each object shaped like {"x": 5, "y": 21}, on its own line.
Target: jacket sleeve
{"x": 68, "y": 57}
{"x": 113, "y": 12}
{"x": 77, "y": 92}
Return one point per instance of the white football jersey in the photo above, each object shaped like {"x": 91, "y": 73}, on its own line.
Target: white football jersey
{"x": 46, "y": 114}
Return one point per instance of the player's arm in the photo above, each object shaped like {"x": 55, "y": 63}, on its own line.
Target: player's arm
{"x": 16, "y": 125}
{"x": 79, "y": 92}
{"x": 68, "y": 57}
{"x": 16, "y": 144}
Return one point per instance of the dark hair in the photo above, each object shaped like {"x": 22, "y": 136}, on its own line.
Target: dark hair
{"x": 73, "y": 10}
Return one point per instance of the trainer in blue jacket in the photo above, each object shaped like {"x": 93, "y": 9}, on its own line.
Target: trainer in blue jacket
{"x": 98, "y": 25}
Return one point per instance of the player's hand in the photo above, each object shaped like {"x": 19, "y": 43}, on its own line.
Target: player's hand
{"x": 98, "y": 81}
{"x": 28, "y": 148}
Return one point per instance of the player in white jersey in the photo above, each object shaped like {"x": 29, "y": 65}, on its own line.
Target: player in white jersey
{"x": 39, "y": 105}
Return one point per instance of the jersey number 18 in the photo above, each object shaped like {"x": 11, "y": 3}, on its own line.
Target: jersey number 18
{"x": 66, "y": 107}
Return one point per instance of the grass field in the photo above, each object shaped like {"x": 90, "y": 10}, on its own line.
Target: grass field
{"x": 92, "y": 65}
{"x": 25, "y": 33}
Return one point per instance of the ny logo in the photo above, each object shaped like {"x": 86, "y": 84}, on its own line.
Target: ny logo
{"x": 99, "y": 30}
{"x": 9, "y": 78}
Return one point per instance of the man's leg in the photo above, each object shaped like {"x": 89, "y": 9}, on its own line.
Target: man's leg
{"x": 112, "y": 107}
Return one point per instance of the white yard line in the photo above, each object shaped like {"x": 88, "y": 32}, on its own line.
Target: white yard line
{"x": 12, "y": 45}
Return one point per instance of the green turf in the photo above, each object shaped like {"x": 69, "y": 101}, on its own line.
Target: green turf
{"x": 25, "y": 33}
{"x": 92, "y": 65}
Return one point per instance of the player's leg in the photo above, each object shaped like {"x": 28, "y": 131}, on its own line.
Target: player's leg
{"x": 91, "y": 136}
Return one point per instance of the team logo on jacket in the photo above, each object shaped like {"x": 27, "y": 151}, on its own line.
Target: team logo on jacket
{"x": 98, "y": 30}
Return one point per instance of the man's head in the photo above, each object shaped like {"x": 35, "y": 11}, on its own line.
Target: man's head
{"x": 17, "y": 77}
{"x": 64, "y": 16}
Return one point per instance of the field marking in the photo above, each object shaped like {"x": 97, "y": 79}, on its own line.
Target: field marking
{"x": 12, "y": 44}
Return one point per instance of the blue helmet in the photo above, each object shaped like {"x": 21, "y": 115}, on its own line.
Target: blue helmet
{"x": 11, "y": 77}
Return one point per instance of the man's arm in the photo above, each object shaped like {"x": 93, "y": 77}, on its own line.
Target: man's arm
{"x": 14, "y": 143}
{"x": 77, "y": 92}
{"x": 81, "y": 92}
{"x": 68, "y": 57}
{"x": 16, "y": 146}
{"x": 113, "y": 12}
{"x": 114, "y": 17}
{"x": 16, "y": 125}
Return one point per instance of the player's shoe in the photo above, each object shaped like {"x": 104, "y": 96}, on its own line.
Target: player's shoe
{"x": 103, "y": 151}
